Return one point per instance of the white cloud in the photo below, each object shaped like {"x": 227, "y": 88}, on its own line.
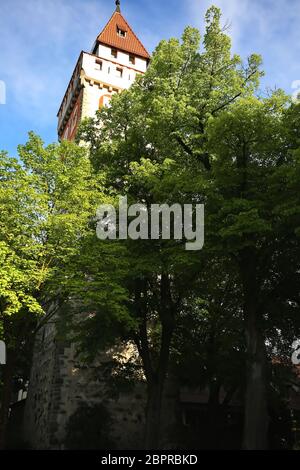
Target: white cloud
{"x": 39, "y": 54}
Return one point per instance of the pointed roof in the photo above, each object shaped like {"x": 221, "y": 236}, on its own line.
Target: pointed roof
{"x": 130, "y": 43}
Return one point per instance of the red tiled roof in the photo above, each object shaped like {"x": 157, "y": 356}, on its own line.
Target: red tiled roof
{"x": 109, "y": 36}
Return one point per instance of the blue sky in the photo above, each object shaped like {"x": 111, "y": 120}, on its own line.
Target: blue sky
{"x": 40, "y": 41}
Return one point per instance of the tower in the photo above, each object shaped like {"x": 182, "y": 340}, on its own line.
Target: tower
{"x": 115, "y": 60}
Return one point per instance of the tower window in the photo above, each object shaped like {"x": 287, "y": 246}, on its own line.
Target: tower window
{"x": 114, "y": 53}
{"x": 99, "y": 64}
{"x": 121, "y": 32}
{"x": 119, "y": 72}
{"x": 131, "y": 59}
{"x": 104, "y": 100}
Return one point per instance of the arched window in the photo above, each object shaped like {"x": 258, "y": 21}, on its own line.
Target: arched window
{"x": 104, "y": 100}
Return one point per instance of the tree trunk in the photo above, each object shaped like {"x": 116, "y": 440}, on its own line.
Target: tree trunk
{"x": 256, "y": 406}
{"x": 155, "y": 392}
{"x": 156, "y": 370}
{"x": 6, "y": 398}
{"x": 213, "y": 414}
{"x": 156, "y": 388}
{"x": 256, "y": 418}
{"x": 153, "y": 416}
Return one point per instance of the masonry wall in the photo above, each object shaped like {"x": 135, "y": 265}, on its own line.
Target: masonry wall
{"x": 59, "y": 385}
{"x": 74, "y": 119}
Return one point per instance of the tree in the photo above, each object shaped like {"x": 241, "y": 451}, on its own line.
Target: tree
{"x": 45, "y": 203}
{"x": 198, "y": 112}
{"x": 151, "y": 144}
{"x": 252, "y": 152}
{"x": 20, "y": 272}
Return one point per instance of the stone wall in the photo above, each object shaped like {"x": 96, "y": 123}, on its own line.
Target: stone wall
{"x": 59, "y": 385}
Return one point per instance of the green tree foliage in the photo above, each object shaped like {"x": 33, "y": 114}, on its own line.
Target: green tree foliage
{"x": 20, "y": 271}
{"x": 252, "y": 159}
{"x": 46, "y": 200}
